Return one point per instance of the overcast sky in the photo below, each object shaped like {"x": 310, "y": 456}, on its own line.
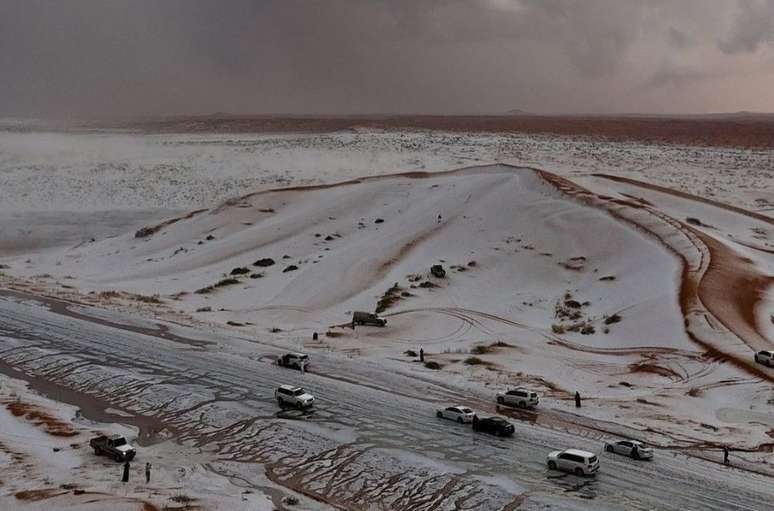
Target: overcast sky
{"x": 157, "y": 57}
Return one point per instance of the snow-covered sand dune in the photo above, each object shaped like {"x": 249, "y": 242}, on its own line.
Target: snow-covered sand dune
{"x": 511, "y": 242}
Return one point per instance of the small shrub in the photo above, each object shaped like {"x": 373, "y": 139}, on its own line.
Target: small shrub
{"x": 695, "y": 392}
{"x": 222, "y": 283}
{"x": 181, "y": 499}
{"x": 148, "y": 299}
{"x": 473, "y": 361}
{"x": 274, "y": 330}
{"x": 558, "y": 329}
{"x": 144, "y": 232}
{"x": 410, "y": 353}
{"x": 239, "y": 271}
{"x": 615, "y": 318}
{"x": 256, "y": 276}
{"x": 431, "y": 364}
{"x": 292, "y": 267}
{"x": 480, "y": 349}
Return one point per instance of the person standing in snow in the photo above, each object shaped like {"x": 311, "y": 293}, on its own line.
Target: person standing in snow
{"x": 577, "y": 399}
{"x": 125, "y": 477}
{"x": 147, "y": 472}
{"x": 421, "y": 355}
{"x": 725, "y": 455}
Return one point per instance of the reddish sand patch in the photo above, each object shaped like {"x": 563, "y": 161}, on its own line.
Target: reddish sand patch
{"x": 36, "y": 495}
{"x": 646, "y": 367}
{"x": 39, "y": 417}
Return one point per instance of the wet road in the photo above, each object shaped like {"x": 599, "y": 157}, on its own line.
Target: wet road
{"x": 372, "y": 438}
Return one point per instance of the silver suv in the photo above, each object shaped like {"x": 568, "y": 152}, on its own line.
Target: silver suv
{"x": 765, "y": 357}
{"x": 523, "y": 398}
{"x": 293, "y": 396}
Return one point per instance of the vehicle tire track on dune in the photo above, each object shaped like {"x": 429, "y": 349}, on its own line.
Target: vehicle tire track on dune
{"x": 709, "y": 274}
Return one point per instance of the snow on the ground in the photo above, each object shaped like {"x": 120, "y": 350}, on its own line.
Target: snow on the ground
{"x": 47, "y": 467}
{"x": 530, "y": 244}
{"x": 107, "y": 171}
{"x": 516, "y": 251}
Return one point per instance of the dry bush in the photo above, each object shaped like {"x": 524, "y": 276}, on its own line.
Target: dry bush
{"x": 481, "y": 349}
{"x": 148, "y": 299}
{"x": 222, "y": 283}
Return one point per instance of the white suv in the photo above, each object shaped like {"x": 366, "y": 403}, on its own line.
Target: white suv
{"x": 461, "y": 414}
{"x": 523, "y": 398}
{"x": 293, "y": 396}
{"x": 573, "y": 460}
{"x": 297, "y": 360}
{"x": 765, "y": 357}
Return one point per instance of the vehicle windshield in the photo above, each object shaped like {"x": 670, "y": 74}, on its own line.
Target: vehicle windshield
{"x": 593, "y": 459}
{"x": 466, "y": 410}
{"x": 298, "y": 392}
{"x": 119, "y": 441}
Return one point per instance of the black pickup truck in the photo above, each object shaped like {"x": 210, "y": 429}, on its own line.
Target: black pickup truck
{"x": 114, "y": 446}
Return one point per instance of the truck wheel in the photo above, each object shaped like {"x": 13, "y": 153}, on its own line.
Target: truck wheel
{"x": 552, "y": 465}
{"x": 280, "y": 401}
{"x": 578, "y": 471}
{"x": 97, "y": 451}
{"x": 439, "y": 415}
{"x": 522, "y": 405}
{"x": 609, "y": 448}
{"x": 501, "y": 400}
{"x": 117, "y": 457}
{"x": 459, "y": 419}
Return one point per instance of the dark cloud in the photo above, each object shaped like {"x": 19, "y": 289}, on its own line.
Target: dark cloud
{"x": 753, "y": 27}
{"x": 150, "y": 57}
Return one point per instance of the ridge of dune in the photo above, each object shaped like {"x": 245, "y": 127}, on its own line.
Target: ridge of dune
{"x": 713, "y": 275}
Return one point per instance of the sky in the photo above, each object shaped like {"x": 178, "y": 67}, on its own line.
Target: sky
{"x": 97, "y": 58}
